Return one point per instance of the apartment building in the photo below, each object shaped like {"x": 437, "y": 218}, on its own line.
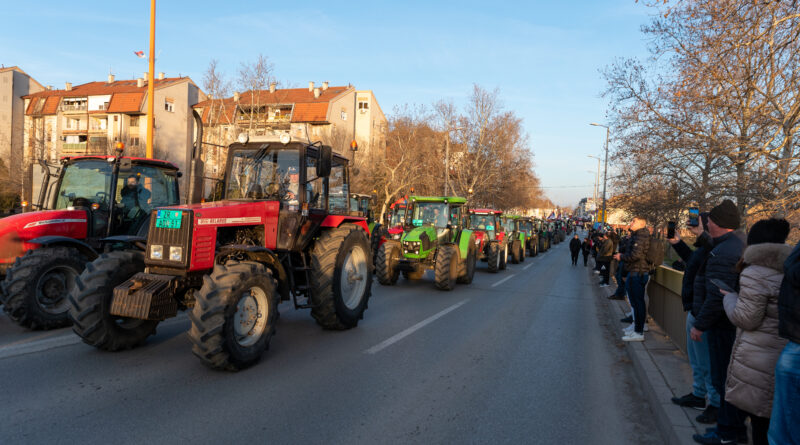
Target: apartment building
{"x": 335, "y": 115}
{"x": 14, "y": 85}
{"x": 88, "y": 119}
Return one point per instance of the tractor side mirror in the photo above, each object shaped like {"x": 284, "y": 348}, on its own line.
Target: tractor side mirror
{"x": 325, "y": 161}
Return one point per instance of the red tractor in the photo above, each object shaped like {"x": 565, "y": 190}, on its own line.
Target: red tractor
{"x": 87, "y": 202}
{"x": 283, "y": 231}
{"x": 490, "y": 236}
{"x": 395, "y": 219}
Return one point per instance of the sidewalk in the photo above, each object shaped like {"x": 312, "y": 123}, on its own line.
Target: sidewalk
{"x": 664, "y": 372}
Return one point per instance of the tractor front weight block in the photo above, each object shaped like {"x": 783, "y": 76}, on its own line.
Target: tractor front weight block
{"x": 146, "y": 296}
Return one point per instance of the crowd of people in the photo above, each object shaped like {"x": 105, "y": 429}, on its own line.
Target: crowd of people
{"x": 741, "y": 294}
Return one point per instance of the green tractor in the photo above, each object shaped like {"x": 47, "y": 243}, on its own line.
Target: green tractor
{"x": 525, "y": 226}
{"x": 540, "y": 227}
{"x": 434, "y": 237}
{"x": 515, "y": 237}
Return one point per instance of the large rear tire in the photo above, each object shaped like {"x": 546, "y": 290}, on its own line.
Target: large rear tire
{"x": 90, "y": 303}
{"x": 341, "y": 278}
{"x": 466, "y": 268}
{"x": 375, "y": 242}
{"x": 493, "y": 256}
{"x": 504, "y": 257}
{"x": 234, "y": 316}
{"x": 37, "y": 285}
{"x": 446, "y": 270}
{"x": 386, "y": 263}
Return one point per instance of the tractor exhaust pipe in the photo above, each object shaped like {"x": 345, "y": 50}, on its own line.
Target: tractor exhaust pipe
{"x": 196, "y": 169}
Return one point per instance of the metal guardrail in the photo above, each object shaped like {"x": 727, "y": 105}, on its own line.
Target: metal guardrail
{"x": 665, "y": 306}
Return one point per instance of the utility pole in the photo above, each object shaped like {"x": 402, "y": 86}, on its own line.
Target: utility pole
{"x": 150, "y": 81}
{"x": 605, "y": 168}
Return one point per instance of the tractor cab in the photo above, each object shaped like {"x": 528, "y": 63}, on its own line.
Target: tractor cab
{"x": 361, "y": 205}
{"x": 490, "y": 235}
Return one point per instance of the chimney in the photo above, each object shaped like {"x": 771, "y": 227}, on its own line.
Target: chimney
{"x": 110, "y": 78}
{"x": 145, "y": 75}
{"x": 317, "y": 92}
{"x": 324, "y": 85}
{"x": 161, "y": 75}
{"x": 272, "y": 87}
{"x": 236, "y": 96}
{"x": 139, "y": 82}
{"x": 49, "y": 87}
{"x": 68, "y": 86}
{"x": 310, "y": 86}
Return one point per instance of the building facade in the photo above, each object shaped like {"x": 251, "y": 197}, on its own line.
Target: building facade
{"x": 334, "y": 115}
{"x": 89, "y": 119}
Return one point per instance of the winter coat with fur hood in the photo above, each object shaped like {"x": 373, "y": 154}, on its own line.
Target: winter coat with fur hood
{"x": 754, "y": 311}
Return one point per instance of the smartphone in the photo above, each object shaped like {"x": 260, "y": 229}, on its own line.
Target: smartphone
{"x": 670, "y": 229}
{"x": 694, "y": 216}
{"x": 720, "y": 284}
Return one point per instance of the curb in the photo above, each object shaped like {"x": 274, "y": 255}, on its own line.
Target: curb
{"x": 673, "y": 423}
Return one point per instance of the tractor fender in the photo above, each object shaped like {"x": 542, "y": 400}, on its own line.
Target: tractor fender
{"x": 52, "y": 240}
{"x": 136, "y": 241}
{"x": 338, "y": 220}
{"x": 264, "y": 256}
{"x": 464, "y": 240}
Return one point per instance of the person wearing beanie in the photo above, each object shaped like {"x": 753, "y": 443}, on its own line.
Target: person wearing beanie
{"x": 720, "y": 266}
{"x": 754, "y": 311}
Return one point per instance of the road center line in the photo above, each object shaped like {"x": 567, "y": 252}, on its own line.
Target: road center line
{"x": 504, "y": 280}
{"x": 405, "y": 333}
{"x": 526, "y": 267}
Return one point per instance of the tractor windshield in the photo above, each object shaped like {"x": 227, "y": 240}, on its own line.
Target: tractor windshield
{"x": 481, "y": 222}
{"x": 508, "y": 224}
{"x": 398, "y": 216}
{"x": 430, "y": 214}
{"x": 264, "y": 173}
{"x": 84, "y": 183}
{"x": 525, "y": 226}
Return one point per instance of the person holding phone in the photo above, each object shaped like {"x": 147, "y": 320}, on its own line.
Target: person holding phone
{"x": 702, "y": 386}
{"x": 723, "y": 222}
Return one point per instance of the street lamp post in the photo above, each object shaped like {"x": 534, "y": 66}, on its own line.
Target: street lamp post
{"x": 605, "y": 168}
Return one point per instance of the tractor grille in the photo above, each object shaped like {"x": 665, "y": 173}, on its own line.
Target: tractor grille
{"x": 165, "y": 237}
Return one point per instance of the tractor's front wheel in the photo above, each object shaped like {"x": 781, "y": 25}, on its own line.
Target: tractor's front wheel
{"x": 36, "y": 287}
{"x": 504, "y": 257}
{"x": 375, "y": 242}
{"x": 493, "y": 257}
{"x": 386, "y": 263}
{"x": 341, "y": 278}
{"x": 523, "y": 251}
{"x": 446, "y": 270}
{"x": 516, "y": 251}
{"x": 234, "y": 315}
{"x": 90, "y": 303}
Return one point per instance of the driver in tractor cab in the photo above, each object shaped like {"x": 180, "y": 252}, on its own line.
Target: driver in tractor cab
{"x": 439, "y": 219}
{"x": 294, "y": 185}
{"x": 135, "y": 198}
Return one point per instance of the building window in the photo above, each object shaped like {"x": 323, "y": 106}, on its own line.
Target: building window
{"x": 169, "y": 105}
{"x": 134, "y": 121}
{"x": 363, "y": 106}
{"x": 344, "y": 114}
{"x": 134, "y": 142}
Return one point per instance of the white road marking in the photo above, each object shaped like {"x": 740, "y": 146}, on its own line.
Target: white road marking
{"x": 504, "y": 280}
{"x": 526, "y": 267}
{"x": 38, "y": 345}
{"x": 397, "y": 337}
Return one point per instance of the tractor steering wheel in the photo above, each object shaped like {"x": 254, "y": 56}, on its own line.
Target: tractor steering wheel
{"x": 103, "y": 196}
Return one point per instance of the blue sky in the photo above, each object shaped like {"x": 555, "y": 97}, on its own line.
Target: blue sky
{"x": 544, "y": 56}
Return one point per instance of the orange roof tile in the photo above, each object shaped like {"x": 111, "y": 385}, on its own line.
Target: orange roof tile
{"x": 51, "y": 105}
{"x": 125, "y": 103}
{"x": 310, "y": 112}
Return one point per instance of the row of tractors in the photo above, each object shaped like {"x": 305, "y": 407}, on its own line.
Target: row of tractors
{"x": 109, "y": 249}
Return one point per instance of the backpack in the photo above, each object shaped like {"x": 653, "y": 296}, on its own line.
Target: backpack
{"x": 655, "y": 253}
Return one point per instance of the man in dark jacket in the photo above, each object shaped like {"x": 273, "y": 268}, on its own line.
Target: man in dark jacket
{"x": 586, "y": 248}
{"x": 604, "y": 255}
{"x": 784, "y": 425}
{"x": 638, "y": 268}
{"x": 575, "y": 249}
{"x": 697, "y": 350}
{"x": 723, "y": 220}
{"x": 621, "y": 273}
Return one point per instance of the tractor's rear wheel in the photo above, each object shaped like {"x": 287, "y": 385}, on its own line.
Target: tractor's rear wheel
{"x": 516, "y": 252}
{"x": 493, "y": 257}
{"x": 341, "y": 278}
{"x": 466, "y": 268}
{"x": 375, "y": 242}
{"x": 36, "y": 286}
{"x": 386, "y": 263}
{"x": 90, "y": 303}
{"x": 234, "y": 315}
{"x": 446, "y": 270}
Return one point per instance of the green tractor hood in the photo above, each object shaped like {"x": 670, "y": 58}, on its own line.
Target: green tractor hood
{"x": 422, "y": 241}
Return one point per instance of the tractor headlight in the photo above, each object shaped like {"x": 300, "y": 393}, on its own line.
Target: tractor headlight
{"x": 176, "y": 253}
{"x": 156, "y": 252}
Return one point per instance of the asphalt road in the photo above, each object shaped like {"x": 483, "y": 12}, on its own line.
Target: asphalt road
{"x": 528, "y": 355}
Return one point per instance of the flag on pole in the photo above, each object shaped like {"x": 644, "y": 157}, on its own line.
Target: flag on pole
{"x": 139, "y": 54}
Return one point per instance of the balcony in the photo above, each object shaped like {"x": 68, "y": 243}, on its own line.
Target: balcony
{"x": 73, "y": 107}
{"x": 73, "y": 149}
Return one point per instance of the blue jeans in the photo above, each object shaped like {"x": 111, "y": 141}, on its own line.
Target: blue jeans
{"x": 635, "y": 284}
{"x": 701, "y": 369}
{"x": 620, "y": 292}
{"x": 784, "y": 425}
